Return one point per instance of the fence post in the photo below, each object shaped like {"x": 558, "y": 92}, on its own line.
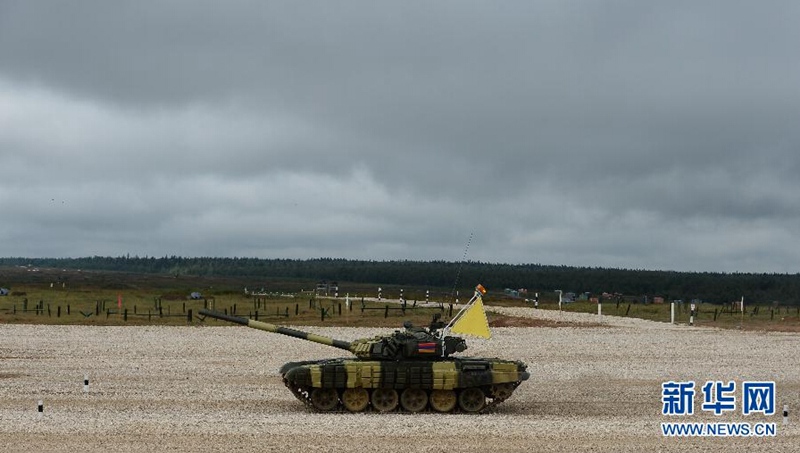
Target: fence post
{"x": 386, "y": 313}
{"x": 189, "y": 316}
{"x": 125, "y": 315}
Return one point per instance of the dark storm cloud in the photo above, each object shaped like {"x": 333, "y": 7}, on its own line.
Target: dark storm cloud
{"x": 625, "y": 134}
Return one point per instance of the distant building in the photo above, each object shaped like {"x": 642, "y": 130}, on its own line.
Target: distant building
{"x": 326, "y": 288}
{"x": 3, "y": 292}
{"x": 658, "y": 300}
{"x": 255, "y": 292}
{"x": 195, "y": 296}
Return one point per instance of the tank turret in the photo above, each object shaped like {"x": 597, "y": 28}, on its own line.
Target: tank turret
{"x": 412, "y": 343}
{"x": 413, "y": 369}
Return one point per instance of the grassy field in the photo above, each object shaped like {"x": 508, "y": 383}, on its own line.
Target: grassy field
{"x": 756, "y": 317}
{"x": 70, "y": 297}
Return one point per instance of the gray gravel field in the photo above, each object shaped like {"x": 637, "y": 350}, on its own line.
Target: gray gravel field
{"x": 216, "y": 388}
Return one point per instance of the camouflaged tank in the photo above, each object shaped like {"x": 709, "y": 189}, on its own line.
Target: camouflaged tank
{"x": 411, "y": 369}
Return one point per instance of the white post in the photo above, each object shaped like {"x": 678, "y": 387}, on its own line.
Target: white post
{"x": 85, "y": 383}
{"x": 693, "y": 307}
{"x": 600, "y": 311}
{"x": 559, "y": 299}
{"x": 742, "y": 312}
{"x": 40, "y": 407}
{"x": 672, "y": 312}
{"x": 785, "y": 414}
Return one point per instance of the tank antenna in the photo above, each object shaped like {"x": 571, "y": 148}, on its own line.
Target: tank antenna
{"x": 463, "y": 259}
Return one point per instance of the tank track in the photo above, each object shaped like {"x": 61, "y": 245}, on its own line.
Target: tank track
{"x": 304, "y": 395}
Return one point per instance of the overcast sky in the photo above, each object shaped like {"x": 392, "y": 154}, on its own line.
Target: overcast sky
{"x": 638, "y": 134}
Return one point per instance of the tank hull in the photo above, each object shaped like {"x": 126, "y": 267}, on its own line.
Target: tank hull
{"x": 331, "y": 384}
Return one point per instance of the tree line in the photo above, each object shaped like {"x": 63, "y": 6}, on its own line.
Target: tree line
{"x": 707, "y": 286}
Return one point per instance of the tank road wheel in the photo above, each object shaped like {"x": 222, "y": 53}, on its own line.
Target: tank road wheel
{"x": 384, "y": 400}
{"x": 501, "y": 392}
{"x": 414, "y": 400}
{"x": 471, "y": 399}
{"x": 355, "y": 400}
{"x": 324, "y": 399}
{"x": 443, "y": 400}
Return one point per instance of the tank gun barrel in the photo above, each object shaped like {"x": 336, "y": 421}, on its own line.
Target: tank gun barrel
{"x": 346, "y": 345}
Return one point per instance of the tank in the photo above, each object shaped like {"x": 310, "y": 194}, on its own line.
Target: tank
{"x": 410, "y": 370}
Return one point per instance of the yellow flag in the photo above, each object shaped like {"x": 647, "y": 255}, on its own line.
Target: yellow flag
{"x": 473, "y": 321}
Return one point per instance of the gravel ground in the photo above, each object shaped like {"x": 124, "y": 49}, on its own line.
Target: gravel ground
{"x": 217, "y": 389}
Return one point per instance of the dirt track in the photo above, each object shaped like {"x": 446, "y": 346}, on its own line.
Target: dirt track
{"x": 217, "y": 389}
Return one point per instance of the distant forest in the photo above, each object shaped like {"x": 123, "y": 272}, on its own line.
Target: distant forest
{"x": 709, "y": 287}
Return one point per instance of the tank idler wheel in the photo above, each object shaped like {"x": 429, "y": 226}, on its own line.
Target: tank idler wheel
{"x": 443, "y": 400}
{"x": 471, "y": 399}
{"x": 414, "y": 400}
{"x": 502, "y": 391}
{"x": 355, "y": 400}
{"x": 384, "y": 400}
{"x": 324, "y": 399}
